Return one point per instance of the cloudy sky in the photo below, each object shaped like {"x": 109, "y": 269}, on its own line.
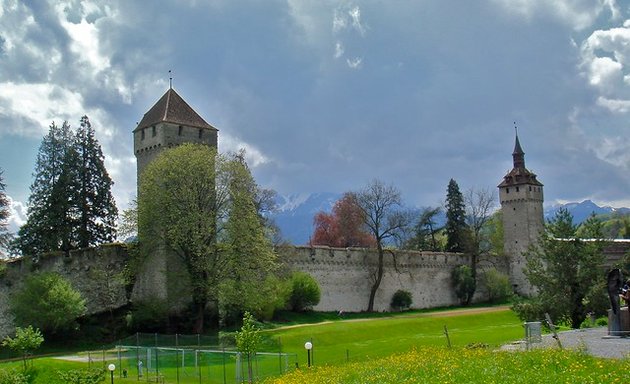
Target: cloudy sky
{"x": 328, "y": 95}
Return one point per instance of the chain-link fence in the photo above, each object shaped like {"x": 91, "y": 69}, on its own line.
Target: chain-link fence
{"x": 191, "y": 359}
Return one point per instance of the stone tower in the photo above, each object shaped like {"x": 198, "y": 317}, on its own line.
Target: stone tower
{"x": 521, "y": 196}
{"x": 170, "y": 122}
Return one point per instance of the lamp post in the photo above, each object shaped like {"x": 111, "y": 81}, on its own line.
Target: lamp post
{"x": 308, "y": 345}
{"x": 111, "y": 368}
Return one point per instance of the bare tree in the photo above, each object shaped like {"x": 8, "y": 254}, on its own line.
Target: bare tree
{"x": 480, "y": 205}
{"x": 384, "y": 218}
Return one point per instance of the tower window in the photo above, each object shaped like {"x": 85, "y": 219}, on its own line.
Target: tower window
{"x": 142, "y": 134}
{"x": 507, "y": 190}
{"x": 153, "y": 131}
{"x": 516, "y": 189}
{"x": 200, "y": 133}
{"x": 179, "y": 133}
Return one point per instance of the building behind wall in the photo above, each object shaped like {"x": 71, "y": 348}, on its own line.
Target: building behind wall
{"x": 521, "y": 196}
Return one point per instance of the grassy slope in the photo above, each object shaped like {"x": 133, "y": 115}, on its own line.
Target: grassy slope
{"x": 384, "y": 336}
{"x": 362, "y": 339}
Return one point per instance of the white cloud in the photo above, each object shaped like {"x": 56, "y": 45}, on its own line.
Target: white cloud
{"x": 338, "y": 50}
{"x": 253, "y": 155}
{"x": 40, "y": 103}
{"x": 17, "y": 215}
{"x": 339, "y": 21}
{"x": 355, "y": 14}
{"x": 614, "y": 105}
{"x": 355, "y": 63}
{"x": 605, "y": 62}
{"x": 579, "y": 14}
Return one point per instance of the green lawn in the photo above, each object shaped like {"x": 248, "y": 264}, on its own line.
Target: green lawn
{"x": 334, "y": 343}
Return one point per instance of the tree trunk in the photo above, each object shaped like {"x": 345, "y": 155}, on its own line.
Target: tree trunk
{"x": 379, "y": 278}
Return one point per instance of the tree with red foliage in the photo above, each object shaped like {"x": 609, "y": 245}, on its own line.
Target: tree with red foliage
{"x": 344, "y": 227}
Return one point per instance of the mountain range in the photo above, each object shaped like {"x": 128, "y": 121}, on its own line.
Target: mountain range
{"x": 295, "y": 213}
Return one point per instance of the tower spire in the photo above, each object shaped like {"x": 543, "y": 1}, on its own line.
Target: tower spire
{"x": 518, "y": 156}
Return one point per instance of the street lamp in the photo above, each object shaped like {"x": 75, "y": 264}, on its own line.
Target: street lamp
{"x": 308, "y": 345}
{"x": 111, "y": 368}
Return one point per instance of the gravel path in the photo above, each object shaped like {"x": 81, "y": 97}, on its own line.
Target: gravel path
{"x": 594, "y": 340}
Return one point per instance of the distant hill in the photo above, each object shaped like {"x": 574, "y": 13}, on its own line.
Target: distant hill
{"x": 581, "y": 211}
{"x": 295, "y": 213}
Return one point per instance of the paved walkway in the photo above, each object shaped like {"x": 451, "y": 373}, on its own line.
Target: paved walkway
{"x": 594, "y": 340}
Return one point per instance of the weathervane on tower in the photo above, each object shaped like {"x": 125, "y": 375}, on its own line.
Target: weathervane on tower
{"x": 170, "y": 79}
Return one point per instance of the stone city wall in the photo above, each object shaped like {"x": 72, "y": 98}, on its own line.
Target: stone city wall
{"x": 344, "y": 276}
{"x": 95, "y": 272}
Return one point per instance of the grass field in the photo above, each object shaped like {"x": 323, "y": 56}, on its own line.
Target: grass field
{"x": 461, "y": 365}
{"x": 337, "y": 342}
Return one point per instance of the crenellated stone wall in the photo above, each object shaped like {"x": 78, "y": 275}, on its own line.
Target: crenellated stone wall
{"x": 97, "y": 273}
{"x": 345, "y": 276}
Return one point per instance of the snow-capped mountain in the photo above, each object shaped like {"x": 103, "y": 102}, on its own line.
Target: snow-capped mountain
{"x": 294, "y": 215}
{"x": 581, "y": 211}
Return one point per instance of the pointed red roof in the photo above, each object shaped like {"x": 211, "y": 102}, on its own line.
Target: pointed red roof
{"x": 171, "y": 108}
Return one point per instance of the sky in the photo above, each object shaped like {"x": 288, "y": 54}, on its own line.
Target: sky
{"x": 326, "y": 96}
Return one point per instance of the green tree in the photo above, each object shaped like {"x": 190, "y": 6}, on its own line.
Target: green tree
{"x": 305, "y": 292}
{"x": 565, "y": 269}
{"x": 245, "y": 246}
{"x": 49, "y": 223}
{"x": 177, "y": 211}
{"x": 5, "y": 236}
{"x": 381, "y": 208}
{"x": 464, "y": 283}
{"x": 497, "y": 285}
{"x": 425, "y": 231}
{"x": 25, "y": 342}
{"x": 48, "y": 302}
{"x": 248, "y": 341}
{"x": 455, "y": 228}
{"x": 96, "y": 211}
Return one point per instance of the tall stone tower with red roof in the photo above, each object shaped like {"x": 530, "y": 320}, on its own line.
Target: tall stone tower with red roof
{"x": 521, "y": 196}
{"x": 168, "y": 123}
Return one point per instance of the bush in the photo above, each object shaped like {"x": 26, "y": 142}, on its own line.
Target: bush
{"x": 305, "y": 292}
{"x": 464, "y": 283}
{"x": 401, "y": 300}
{"x": 47, "y": 301}
{"x": 82, "y": 376}
{"x": 13, "y": 377}
{"x": 529, "y": 310}
{"x": 497, "y": 285}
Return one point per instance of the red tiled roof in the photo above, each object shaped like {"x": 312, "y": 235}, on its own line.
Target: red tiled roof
{"x": 171, "y": 108}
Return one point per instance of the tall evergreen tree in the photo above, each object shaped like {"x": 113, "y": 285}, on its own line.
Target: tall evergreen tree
{"x": 49, "y": 224}
{"x": 94, "y": 205}
{"x": 456, "y": 230}
{"x": 5, "y": 236}
{"x": 71, "y": 204}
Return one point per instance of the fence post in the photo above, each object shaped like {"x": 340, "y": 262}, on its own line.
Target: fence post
{"x": 448, "y": 339}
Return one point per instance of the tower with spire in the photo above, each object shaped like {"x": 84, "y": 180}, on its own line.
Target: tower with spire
{"x": 521, "y": 196}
